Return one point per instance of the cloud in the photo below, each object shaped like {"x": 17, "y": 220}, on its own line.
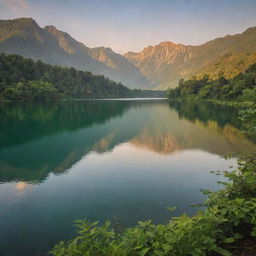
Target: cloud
{"x": 16, "y": 5}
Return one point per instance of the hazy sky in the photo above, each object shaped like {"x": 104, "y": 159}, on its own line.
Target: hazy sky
{"x": 134, "y": 24}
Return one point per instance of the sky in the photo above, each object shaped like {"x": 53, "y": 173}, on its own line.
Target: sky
{"x": 131, "y": 25}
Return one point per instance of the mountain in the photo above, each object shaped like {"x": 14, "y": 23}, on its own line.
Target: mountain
{"x": 25, "y": 37}
{"x": 161, "y": 63}
{"x": 166, "y": 63}
{"x": 121, "y": 65}
{"x": 159, "y": 66}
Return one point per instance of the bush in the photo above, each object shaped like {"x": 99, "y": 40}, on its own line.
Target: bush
{"x": 249, "y": 94}
{"x": 226, "y": 227}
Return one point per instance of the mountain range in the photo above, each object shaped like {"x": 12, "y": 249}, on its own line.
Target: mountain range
{"x": 25, "y": 37}
{"x": 159, "y": 66}
{"x": 166, "y": 63}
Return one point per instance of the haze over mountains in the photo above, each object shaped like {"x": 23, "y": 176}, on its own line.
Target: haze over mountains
{"x": 24, "y": 37}
{"x": 159, "y": 66}
{"x": 166, "y": 63}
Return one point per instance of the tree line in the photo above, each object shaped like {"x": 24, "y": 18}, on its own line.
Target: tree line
{"x": 241, "y": 87}
{"x": 26, "y": 79}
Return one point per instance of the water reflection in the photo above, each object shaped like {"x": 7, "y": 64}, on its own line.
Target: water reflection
{"x": 98, "y": 159}
{"x": 206, "y": 111}
{"x": 43, "y": 138}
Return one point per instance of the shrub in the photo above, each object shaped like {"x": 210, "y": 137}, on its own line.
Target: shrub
{"x": 226, "y": 227}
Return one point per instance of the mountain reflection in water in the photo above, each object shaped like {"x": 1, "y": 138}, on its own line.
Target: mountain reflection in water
{"x": 40, "y": 138}
{"x": 100, "y": 160}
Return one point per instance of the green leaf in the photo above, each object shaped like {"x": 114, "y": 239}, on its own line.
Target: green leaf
{"x": 167, "y": 247}
{"x": 222, "y": 251}
{"x": 229, "y": 240}
{"x": 144, "y": 251}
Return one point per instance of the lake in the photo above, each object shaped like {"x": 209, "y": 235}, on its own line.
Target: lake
{"x": 122, "y": 160}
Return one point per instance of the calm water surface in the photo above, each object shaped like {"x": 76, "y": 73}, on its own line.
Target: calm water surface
{"x": 118, "y": 160}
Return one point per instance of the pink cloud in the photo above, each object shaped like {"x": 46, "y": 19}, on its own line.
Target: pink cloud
{"x": 16, "y": 5}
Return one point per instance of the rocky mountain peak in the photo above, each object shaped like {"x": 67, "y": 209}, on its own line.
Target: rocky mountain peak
{"x": 162, "y": 64}
{"x": 51, "y": 29}
{"x": 25, "y": 27}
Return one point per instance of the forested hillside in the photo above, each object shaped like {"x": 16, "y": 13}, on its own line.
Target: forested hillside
{"x": 160, "y": 66}
{"x": 25, "y": 79}
{"x": 166, "y": 63}
{"x": 23, "y": 36}
{"x": 241, "y": 87}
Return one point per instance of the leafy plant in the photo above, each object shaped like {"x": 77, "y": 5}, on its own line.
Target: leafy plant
{"x": 226, "y": 227}
{"x": 248, "y": 116}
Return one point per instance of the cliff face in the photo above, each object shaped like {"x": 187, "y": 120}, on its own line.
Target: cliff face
{"x": 166, "y": 63}
{"x": 161, "y": 63}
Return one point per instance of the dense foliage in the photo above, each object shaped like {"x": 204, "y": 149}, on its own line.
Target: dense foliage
{"x": 228, "y": 65}
{"x": 25, "y": 79}
{"x": 226, "y": 227}
{"x": 248, "y": 118}
{"x": 241, "y": 87}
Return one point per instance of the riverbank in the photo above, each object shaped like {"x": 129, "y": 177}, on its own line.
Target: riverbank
{"x": 241, "y": 104}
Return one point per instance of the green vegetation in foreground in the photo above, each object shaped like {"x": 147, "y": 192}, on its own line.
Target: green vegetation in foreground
{"x": 25, "y": 79}
{"x": 226, "y": 227}
{"x": 241, "y": 87}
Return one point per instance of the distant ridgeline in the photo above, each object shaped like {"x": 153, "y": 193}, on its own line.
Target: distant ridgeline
{"x": 241, "y": 87}
{"x": 25, "y": 79}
